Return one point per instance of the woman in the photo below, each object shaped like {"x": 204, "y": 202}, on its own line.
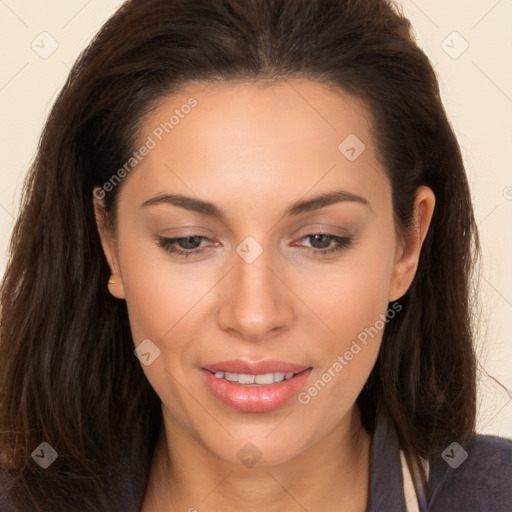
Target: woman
{"x": 241, "y": 274}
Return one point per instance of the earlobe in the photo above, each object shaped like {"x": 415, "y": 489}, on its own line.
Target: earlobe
{"x": 115, "y": 283}
{"x": 409, "y": 247}
{"x": 115, "y": 286}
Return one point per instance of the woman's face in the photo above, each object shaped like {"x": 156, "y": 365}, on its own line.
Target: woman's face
{"x": 231, "y": 170}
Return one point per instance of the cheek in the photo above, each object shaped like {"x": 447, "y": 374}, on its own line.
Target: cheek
{"x": 161, "y": 295}
{"x": 351, "y": 300}
{"x": 348, "y": 295}
{"x": 163, "y": 304}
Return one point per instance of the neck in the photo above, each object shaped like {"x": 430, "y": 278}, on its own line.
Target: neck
{"x": 332, "y": 472}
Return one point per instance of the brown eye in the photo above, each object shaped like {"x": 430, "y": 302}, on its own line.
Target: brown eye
{"x": 321, "y": 242}
{"x": 183, "y": 246}
{"x": 324, "y": 241}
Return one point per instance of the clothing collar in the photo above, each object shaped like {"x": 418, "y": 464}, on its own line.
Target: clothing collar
{"x": 386, "y": 479}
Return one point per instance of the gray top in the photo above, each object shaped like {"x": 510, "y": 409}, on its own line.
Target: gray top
{"x": 482, "y": 482}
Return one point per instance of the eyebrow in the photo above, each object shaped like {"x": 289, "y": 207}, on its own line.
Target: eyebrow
{"x": 295, "y": 209}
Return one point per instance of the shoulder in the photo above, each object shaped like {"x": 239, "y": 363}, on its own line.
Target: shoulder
{"x": 474, "y": 476}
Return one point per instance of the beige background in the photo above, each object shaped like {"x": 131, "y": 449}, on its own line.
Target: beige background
{"x": 470, "y": 44}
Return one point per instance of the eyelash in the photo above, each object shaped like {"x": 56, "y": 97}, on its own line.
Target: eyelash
{"x": 169, "y": 244}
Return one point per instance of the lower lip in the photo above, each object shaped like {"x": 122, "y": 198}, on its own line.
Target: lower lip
{"x": 255, "y": 398}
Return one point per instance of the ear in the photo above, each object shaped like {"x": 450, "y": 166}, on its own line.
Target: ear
{"x": 108, "y": 242}
{"x": 408, "y": 249}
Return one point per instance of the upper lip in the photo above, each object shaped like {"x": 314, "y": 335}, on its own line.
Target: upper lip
{"x": 254, "y": 367}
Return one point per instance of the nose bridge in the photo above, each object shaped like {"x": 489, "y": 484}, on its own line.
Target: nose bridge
{"x": 256, "y": 302}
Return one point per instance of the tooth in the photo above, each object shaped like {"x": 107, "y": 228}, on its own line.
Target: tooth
{"x": 267, "y": 378}
{"x": 243, "y": 378}
{"x": 246, "y": 379}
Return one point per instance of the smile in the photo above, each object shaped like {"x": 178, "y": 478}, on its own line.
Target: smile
{"x": 262, "y": 392}
{"x": 258, "y": 380}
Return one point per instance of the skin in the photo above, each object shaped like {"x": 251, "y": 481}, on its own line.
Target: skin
{"x": 252, "y": 150}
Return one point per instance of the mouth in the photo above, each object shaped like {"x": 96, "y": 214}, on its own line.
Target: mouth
{"x": 255, "y": 387}
{"x": 262, "y": 379}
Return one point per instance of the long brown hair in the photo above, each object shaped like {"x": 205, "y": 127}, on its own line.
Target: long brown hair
{"x": 68, "y": 374}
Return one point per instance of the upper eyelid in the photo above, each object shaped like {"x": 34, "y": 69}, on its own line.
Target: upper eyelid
{"x": 317, "y": 228}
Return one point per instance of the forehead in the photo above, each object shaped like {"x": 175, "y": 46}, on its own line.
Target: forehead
{"x": 244, "y": 137}
{"x": 258, "y": 112}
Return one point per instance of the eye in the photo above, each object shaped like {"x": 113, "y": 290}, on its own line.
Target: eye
{"x": 184, "y": 246}
{"x": 191, "y": 245}
{"x": 321, "y": 243}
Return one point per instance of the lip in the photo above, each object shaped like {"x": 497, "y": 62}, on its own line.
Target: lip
{"x": 255, "y": 398}
{"x": 254, "y": 367}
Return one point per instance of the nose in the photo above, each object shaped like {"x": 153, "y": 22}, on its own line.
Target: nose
{"x": 255, "y": 300}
